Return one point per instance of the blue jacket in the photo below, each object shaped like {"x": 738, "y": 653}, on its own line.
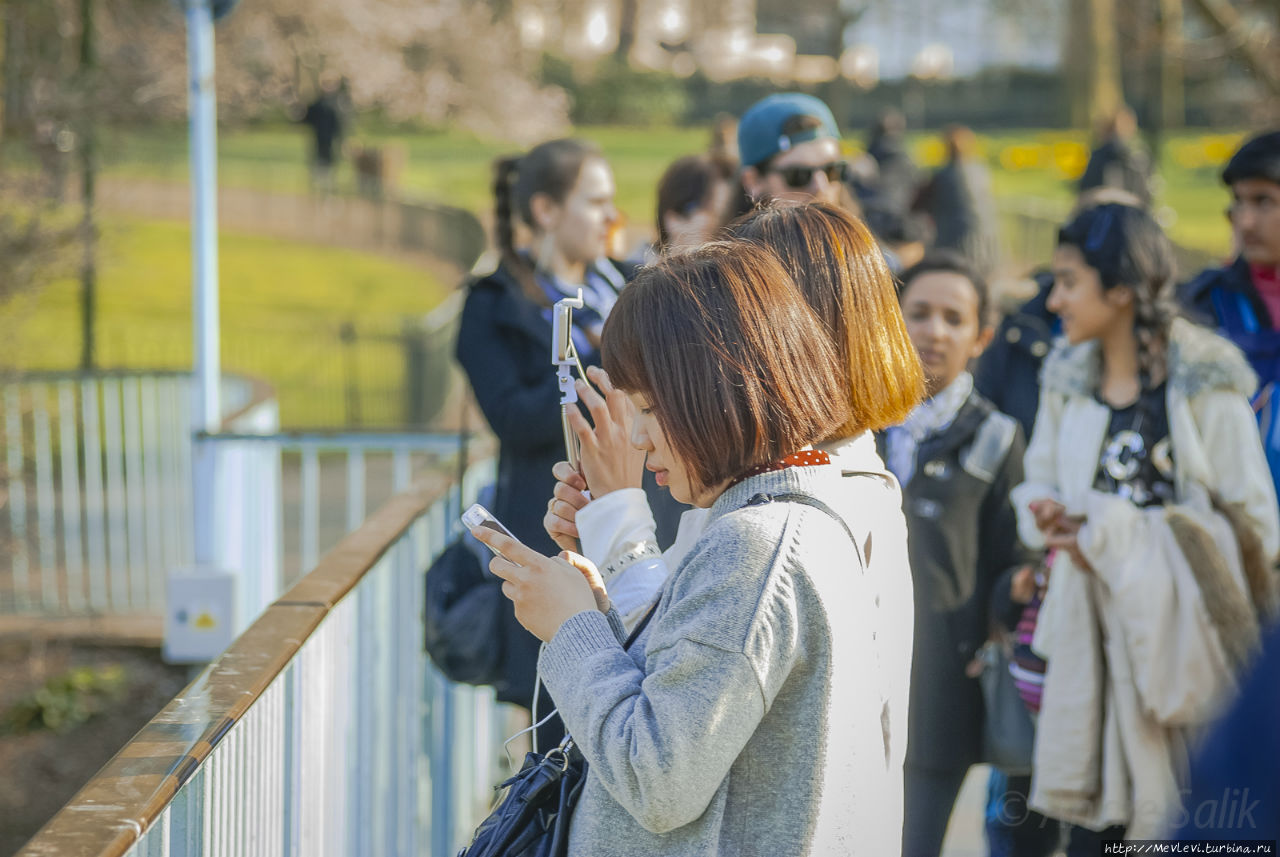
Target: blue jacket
{"x": 1008, "y": 372}
{"x": 1226, "y": 298}
{"x": 1235, "y": 777}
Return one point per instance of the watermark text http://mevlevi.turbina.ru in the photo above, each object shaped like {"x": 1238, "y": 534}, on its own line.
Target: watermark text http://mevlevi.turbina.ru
{"x": 1190, "y": 846}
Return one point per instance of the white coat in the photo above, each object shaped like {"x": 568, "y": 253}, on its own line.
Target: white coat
{"x": 1147, "y": 649}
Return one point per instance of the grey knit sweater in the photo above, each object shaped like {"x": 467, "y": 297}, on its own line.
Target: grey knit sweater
{"x": 749, "y": 717}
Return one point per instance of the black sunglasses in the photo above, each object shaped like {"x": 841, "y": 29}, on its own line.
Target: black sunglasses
{"x": 800, "y": 177}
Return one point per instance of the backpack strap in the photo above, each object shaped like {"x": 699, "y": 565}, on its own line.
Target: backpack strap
{"x": 640, "y": 626}
{"x": 762, "y": 499}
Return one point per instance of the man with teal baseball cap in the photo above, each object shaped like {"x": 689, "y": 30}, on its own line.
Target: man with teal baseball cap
{"x": 789, "y": 148}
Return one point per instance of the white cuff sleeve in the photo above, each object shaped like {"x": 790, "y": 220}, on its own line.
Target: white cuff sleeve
{"x": 611, "y": 524}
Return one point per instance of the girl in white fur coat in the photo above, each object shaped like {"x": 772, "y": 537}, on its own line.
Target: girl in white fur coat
{"x": 1146, "y": 472}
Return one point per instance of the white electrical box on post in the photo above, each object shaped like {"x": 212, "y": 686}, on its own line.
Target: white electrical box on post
{"x": 215, "y": 586}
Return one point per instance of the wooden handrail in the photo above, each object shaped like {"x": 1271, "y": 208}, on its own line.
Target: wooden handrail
{"x": 129, "y": 793}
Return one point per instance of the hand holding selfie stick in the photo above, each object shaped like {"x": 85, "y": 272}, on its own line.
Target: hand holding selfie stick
{"x": 564, "y": 357}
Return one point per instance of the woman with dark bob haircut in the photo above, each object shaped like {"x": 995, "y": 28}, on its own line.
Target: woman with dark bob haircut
{"x": 839, "y": 268}
{"x": 835, "y": 261}
{"x": 747, "y": 715}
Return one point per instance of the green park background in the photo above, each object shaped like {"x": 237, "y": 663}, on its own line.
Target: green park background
{"x": 285, "y": 304}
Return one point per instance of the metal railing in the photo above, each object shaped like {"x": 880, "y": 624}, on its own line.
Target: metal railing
{"x": 321, "y": 730}
{"x": 320, "y": 484}
{"x": 97, "y": 472}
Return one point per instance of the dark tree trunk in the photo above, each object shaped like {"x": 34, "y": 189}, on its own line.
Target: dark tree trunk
{"x": 1172, "y": 90}
{"x": 88, "y": 169}
{"x": 628, "y": 21}
{"x": 1094, "y": 60}
{"x": 11, "y": 110}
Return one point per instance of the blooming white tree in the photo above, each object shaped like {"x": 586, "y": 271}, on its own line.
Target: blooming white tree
{"x": 439, "y": 62}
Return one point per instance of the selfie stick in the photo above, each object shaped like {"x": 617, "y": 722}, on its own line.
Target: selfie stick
{"x": 564, "y": 357}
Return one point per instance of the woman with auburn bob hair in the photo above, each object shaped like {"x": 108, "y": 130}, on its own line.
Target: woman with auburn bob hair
{"x": 836, "y": 262}
{"x": 747, "y": 715}
{"x": 839, "y": 268}
{"x": 837, "y": 265}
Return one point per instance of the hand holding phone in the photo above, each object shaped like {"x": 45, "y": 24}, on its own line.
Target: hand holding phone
{"x": 544, "y": 590}
{"x": 479, "y": 516}
{"x": 608, "y": 460}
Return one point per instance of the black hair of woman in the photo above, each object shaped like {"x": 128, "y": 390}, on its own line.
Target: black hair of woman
{"x": 551, "y": 168}
{"x": 1127, "y": 247}
{"x": 951, "y": 262}
{"x": 688, "y": 185}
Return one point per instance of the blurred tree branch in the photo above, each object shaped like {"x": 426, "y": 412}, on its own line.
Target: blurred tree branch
{"x": 431, "y": 61}
{"x": 1257, "y": 54}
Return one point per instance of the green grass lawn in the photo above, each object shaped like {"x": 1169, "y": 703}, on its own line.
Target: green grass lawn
{"x": 1190, "y": 198}
{"x": 283, "y": 306}
{"x": 449, "y": 167}
{"x": 454, "y": 167}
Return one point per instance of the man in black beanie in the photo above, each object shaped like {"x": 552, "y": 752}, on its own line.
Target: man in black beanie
{"x": 1243, "y": 300}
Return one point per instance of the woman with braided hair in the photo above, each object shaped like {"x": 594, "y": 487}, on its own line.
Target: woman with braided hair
{"x": 1146, "y": 473}
{"x": 562, "y": 192}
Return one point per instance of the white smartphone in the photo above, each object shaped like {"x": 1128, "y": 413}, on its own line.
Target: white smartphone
{"x": 561, "y": 331}
{"x": 479, "y": 516}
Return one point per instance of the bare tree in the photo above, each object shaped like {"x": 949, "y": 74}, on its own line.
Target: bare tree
{"x": 1172, "y": 91}
{"x": 1093, "y": 61}
{"x": 88, "y": 175}
{"x": 435, "y": 61}
{"x": 628, "y": 24}
{"x": 1254, "y": 44}
{"x": 52, "y": 103}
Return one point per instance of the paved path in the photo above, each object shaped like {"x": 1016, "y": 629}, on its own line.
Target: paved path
{"x": 965, "y": 837}
{"x": 442, "y": 241}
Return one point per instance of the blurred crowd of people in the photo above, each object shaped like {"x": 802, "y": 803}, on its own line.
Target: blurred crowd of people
{"x": 872, "y": 534}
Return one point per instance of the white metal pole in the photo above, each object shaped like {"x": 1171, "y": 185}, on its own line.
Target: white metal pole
{"x": 202, "y": 109}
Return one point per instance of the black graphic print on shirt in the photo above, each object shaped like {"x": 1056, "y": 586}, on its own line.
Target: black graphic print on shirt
{"x": 1137, "y": 459}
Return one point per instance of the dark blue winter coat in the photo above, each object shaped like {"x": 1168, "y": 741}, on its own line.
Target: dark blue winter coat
{"x": 1235, "y": 776}
{"x": 1008, "y": 372}
{"x": 504, "y": 345}
{"x": 1226, "y": 299}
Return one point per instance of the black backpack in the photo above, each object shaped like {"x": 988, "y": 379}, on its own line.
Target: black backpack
{"x": 462, "y": 615}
